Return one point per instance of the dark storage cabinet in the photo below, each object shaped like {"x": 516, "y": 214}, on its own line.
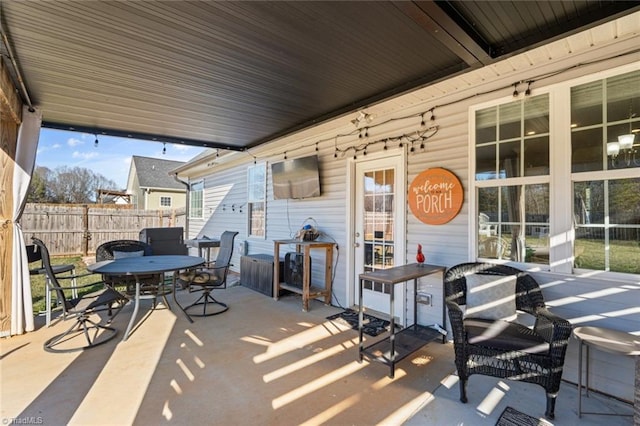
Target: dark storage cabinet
{"x": 164, "y": 240}
{"x": 256, "y": 273}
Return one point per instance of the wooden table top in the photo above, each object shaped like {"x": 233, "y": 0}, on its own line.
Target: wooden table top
{"x": 401, "y": 273}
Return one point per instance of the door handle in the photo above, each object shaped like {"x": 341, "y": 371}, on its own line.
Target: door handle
{"x": 356, "y": 245}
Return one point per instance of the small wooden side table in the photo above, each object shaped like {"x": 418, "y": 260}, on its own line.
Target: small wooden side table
{"x": 308, "y": 291}
{"x": 607, "y": 340}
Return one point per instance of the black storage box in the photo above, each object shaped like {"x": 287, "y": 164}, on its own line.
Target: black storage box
{"x": 164, "y": 240}
{"x": 256, "y": 273}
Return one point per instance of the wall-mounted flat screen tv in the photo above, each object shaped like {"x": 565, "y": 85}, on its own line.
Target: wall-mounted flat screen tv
{"x": 297, "y": 178}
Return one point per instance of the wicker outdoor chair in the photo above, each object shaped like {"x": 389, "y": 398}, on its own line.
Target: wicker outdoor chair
{"x": 500, "y": 347}
{"x": 150, "y": 284}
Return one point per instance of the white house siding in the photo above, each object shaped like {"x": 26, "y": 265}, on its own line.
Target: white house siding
{"x": 584, "y": 301}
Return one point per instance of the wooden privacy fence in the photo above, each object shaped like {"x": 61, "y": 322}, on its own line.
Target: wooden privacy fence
{"x": 72, "y": 229}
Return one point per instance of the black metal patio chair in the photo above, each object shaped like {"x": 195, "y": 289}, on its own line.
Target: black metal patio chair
{"x": 83, "y": 309}
{"x": 212, "y": 276}
{"x": 34, "y": 255}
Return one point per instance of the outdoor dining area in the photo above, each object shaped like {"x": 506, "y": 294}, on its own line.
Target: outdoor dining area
{"x": 127, "y": 271}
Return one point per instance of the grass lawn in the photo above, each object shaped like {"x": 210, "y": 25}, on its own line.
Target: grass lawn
{"x": 624, "y": 255}
{"x": 38, "y": 282}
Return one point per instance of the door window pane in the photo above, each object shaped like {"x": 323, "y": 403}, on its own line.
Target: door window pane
{"x": 378, "y": 222}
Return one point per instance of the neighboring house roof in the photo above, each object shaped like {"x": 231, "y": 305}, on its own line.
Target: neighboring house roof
{"x": 154, "y": 173}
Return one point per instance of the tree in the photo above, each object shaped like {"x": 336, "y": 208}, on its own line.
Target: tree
{"x": 38, "y": 187}
{"x": 66, "y": 185}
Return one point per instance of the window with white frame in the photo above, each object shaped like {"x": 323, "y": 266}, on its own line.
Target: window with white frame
{"x": 256, "y": 194}
{"x": 517, "y": 181}
{"x": 165, "y": 201}
{"x": 512, "y": 180}
{"x": 605, "y": 121}
{"x": 196, "y": 200}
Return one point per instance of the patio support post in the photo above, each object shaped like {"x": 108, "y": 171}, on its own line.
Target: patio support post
{"x": 10, "y": 119}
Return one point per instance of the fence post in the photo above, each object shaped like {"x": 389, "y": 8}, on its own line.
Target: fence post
{"x": 85, "y": 230}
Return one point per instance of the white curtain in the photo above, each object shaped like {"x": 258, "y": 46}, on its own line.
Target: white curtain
{"x": 27, "y": 145}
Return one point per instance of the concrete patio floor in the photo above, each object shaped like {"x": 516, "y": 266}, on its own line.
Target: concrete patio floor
{"x": 262, "y": 363}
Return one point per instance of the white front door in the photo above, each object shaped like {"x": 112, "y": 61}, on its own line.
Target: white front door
{"x": 379, "y": 228}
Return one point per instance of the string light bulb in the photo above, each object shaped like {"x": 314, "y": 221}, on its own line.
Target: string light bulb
{"x": 96, "y": 142}
{"x": 164, "y": 148}
{"x": 515, "y": 90}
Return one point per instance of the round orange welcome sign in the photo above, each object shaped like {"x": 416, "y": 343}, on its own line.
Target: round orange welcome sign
{"x": 436, "y": 196}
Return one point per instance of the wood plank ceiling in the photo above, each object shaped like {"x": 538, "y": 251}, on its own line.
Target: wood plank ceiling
{"x": 234, "y": 75}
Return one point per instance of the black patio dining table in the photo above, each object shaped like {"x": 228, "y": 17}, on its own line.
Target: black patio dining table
{"x": 143, "y": 265}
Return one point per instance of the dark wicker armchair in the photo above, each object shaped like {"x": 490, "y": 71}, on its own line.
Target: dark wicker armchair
{"x": 150, "y": 284}
{"x": 503, "y": 348}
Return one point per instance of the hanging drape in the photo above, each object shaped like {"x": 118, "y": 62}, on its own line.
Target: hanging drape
{"x": 21, "y": 303}
{"x": 514, "y": 210}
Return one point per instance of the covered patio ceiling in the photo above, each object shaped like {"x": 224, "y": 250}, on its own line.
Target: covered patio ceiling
{"x": 233, "y": 75}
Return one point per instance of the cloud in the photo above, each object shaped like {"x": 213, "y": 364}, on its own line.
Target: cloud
{"x": 180, "y": 147}
{"x": 84, "y": 155}
{"x": 74, "y": 142}
{"x": 42, "y": 148}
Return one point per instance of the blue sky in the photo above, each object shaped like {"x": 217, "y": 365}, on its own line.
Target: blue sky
{"x": 112, "y": 157}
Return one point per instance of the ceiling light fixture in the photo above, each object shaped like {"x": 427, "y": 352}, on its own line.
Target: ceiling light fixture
{"x": 626, "y": 140}
{"x": 624, "y": 146}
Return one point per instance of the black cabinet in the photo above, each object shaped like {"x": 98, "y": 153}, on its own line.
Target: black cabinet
{"x": 256, "y": 273}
